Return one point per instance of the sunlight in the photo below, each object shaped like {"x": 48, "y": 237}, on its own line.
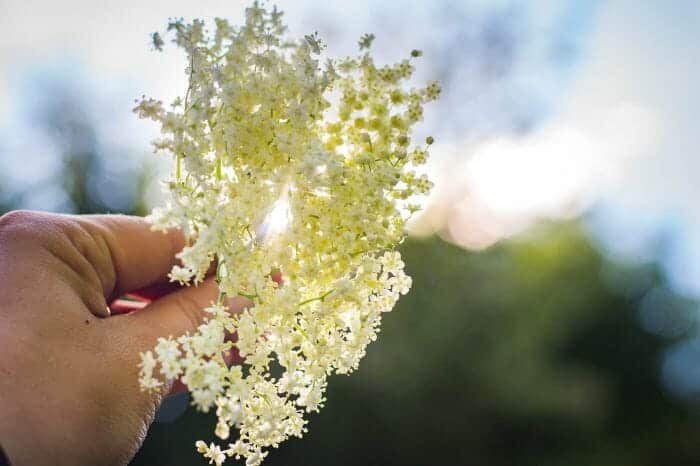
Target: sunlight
{"x": 277, "y": 220}
{"x": 536, "y": 176}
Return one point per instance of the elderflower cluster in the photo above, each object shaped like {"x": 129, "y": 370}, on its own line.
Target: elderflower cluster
{"x": 283, "y": 165}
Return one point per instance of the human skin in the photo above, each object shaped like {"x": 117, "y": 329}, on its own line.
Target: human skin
{"x": 69, "y": 391}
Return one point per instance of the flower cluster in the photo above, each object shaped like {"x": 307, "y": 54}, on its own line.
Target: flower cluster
{"x": 283, "y": 165}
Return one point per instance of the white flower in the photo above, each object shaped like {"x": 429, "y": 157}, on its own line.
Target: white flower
{"x": 255, "y": 457}
{"x": 212, "y": 452}
{"x": 147, "y": 365}
{"x": 222, "y": 429}
{"x": 272, "y": 174}
{"x": 169, "y": 357}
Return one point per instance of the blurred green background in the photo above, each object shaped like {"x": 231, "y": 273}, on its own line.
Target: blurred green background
{"x": 553, "y": 318}
{"x": 521, "y": 354}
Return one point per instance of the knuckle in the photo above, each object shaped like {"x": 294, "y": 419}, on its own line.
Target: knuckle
{"x": 89, "y": 240}
{"x": 79, "y": 237}
{"x": 19, "y": 223}
{"x": 69, "y": 238}
{"x": 23, "y": 228}
{"x": 39, "y": 227}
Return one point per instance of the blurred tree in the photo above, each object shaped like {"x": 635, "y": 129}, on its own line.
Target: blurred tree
{"x": 88, "y": 172}
{"x": 517, "y": 355}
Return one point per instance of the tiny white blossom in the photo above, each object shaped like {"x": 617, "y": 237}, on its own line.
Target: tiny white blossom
{"x": 212, "y": 452}
{"x": 168, "y": 353}
{"x": 273, "y": 175}
{"x": 147, "y": 365}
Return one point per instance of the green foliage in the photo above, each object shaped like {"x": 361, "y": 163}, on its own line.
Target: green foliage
{"x": 517, "y": 355}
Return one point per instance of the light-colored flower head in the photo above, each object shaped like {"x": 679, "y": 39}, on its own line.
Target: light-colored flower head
{"x": 283, "y": 165}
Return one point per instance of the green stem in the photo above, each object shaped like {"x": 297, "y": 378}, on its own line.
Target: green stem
{"x": 219, "y": 275}
{"x": 189, "y": 85}
{"x": 246, "y": 295}
{"x": 318, "y": 298}
{"x": 219, "y": 269}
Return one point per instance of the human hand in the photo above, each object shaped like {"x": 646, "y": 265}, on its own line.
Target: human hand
{"x": 69, "y": 391}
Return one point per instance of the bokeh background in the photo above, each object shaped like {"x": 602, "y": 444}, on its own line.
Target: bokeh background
{"x": 554, "y": 314}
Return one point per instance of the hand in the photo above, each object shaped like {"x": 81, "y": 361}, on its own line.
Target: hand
{"x": 69, "y": 391}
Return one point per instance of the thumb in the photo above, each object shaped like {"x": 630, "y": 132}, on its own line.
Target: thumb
{"x": 174, "y": 314}
{"x": 177, "y": 313}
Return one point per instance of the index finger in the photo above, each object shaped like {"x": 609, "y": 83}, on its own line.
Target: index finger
{"x": 138, "y": 255}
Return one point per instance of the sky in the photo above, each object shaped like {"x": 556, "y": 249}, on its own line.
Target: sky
{"x": 551, "y": 109}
